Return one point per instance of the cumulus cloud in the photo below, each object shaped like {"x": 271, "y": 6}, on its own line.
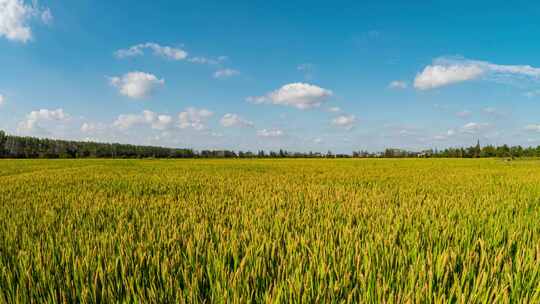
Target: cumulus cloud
{"x": 158, "y": 50}
{"x": 93, "y": 127}
{"x": 2, "y": 99}
{"x": 344, "y": 121}
{"x": 397, "y": 84}
{"x": 334, "y": 109}
{"x": 88, "y": 127}
{"x": 194, "y": 118}
{"x": 149, "y": 118}
{"x": 15, "y": 18}
{"x": 446, "y": 71}
{"x": 175, "y": 54}
{"x": 126, "y": 121}
{"x": 136, "y": 85}
{"x": 270, "y": 133}
{"x": 437, "y": 76}
{"x": 474, "y": 127}
{"x": 35, "y": 117}
{"x": 234, "y": 120}
{"x": 225, "y": 73}
{"x": 302, "y": 96}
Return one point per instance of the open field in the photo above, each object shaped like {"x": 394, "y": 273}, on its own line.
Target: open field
{"x": 270, "y": 230}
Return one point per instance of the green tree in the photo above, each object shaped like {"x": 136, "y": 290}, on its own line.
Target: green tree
{"x": 2, "y": 143}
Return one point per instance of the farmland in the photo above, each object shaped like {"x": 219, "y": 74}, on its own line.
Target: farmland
{"x": 323, "y": 230}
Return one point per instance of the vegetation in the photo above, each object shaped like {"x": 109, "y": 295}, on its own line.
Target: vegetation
{"x": 31, "y": 147}
{"x": 312, "y": 231}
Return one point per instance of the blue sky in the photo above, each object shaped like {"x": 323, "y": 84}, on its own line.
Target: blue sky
{"x": 298, "y": 75}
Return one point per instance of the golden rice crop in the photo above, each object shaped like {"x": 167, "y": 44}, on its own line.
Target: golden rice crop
{"x": 242, "y": 231}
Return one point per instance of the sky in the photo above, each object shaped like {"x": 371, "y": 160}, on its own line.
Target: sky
{"x": 250, "y": 75}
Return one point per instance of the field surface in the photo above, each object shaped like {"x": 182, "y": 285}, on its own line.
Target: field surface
{"x": 242, "y": 231}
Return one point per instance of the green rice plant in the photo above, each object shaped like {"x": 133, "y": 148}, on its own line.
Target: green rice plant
{"x": 270, "y": 231}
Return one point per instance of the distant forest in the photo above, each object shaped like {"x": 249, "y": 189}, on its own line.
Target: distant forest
{"x": 31, "y": 147}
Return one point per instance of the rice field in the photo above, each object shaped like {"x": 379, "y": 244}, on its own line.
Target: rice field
{"x": 270, "y": 231}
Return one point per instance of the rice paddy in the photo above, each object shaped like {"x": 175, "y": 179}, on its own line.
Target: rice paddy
{"x": 270, "y": 231}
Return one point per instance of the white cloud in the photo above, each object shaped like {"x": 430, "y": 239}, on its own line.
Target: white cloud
{"x": 2, "y": 99}
{"x": 434, "y": 76}
{"x": 225, "y": 73}
{"x": 126, "y": 121}
{"x": 92, "y": 127}
{"x": 202, "y": 60}
{"x": 318, "y": 140}
{"x": 463, "y": 114}
{"x": 205, "y": 60}
{"x": 46, "y": 16}
{"x": 194, "y": 118}
{"x": 136, "y": 85}
{"x": 334, "y": 109}
{"x": 405, "y": 132}
{"x": 533, "y": 127}
{"x": 257, "y": 99}
{"x": 525, "y": 70}
{"x": 88, "y": 127}
{"x": 154, "y": 120}
{"x": 234, "y": 120}
{"x": 397, "y": 84}
{"x": 15, "y": 16}
{"x": 158, "y": 50}
{"x": 158, "y": 122}
{"x": 474, "y": 127}
{"x": 299, "y": 95}
{"x": 344, "y": 121}
{"x": 270, "y": 133}
{"x": 45, "y": 114}
{"x": 445, "y": 71}
{"x": 35, "y": 117}
{"x": 174, "y": 53}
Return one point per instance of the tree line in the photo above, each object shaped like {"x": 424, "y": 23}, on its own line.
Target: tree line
{"x": 475, "y": 151}
{"x": 31, "y": 147}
